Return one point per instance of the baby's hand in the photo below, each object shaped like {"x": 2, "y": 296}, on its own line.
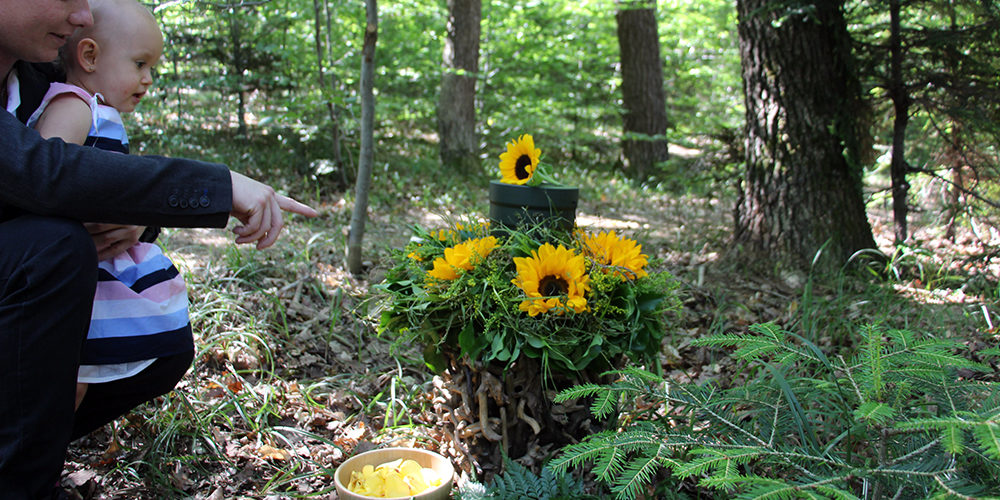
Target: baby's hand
{"x": 113, "y": 239}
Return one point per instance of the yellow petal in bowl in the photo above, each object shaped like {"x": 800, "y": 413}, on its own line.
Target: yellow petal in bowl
{"x": 396, "y": 478}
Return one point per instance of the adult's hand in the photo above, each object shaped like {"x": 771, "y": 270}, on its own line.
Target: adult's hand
{"x": 113, "y": 239}
{"x": 259, "y": 208}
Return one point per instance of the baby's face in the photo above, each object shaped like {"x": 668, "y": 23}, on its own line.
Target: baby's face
{"x": 124, "y": 69}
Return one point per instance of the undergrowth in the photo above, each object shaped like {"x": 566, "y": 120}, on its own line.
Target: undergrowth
{"x": 904, "y": 416}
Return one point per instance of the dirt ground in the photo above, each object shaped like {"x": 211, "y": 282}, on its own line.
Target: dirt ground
{"x": 325, "y": 378}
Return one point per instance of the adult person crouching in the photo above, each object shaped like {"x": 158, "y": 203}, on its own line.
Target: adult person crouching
{"x": 47, "y": 256}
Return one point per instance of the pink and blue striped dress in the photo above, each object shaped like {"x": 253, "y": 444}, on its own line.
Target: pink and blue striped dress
{"x": 141, "y": 306}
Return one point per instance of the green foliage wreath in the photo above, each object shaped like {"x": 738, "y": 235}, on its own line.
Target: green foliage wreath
{"x": 443, "y": 293}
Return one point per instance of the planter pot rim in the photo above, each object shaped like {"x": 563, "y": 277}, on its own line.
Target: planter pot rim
{"x": 495, "y": 184}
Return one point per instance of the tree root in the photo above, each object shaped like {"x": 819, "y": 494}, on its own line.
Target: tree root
{"x": 528, "y": 420}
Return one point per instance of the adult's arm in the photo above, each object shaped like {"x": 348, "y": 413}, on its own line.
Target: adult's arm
{"x": 50, "y": 177}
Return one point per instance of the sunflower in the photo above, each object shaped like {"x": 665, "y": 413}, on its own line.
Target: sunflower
{"x": 553, "y": 279}
{"x": 622, "y": 254}
{"x": 518, "y": 164}
{"x": 464, "y": 256}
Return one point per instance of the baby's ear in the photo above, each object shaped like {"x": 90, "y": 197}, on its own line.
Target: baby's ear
{"x": 87, "y": 51}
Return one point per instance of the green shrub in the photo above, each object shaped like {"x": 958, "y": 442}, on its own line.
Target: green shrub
{"x": 901, "y": 418}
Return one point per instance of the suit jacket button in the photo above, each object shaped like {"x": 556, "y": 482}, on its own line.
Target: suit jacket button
{"x": 193, "y": 202}
{"x": 172, "y": 201}
{"x": 204, "y": 202}
{"x": 184, "y": 203}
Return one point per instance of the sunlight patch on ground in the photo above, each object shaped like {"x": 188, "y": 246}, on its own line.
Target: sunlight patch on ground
{"x": 606, "y": 223}
{"x": 194, "y": 247}
{"x": 935, "y": 296}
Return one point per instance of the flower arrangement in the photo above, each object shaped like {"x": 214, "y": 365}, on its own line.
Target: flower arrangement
{"x": 573, "y": 299}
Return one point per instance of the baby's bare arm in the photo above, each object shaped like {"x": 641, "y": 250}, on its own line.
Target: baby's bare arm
{"x": 67, "y": 117}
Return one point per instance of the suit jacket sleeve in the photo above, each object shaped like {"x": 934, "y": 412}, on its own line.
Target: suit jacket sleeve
{"x": 50, "y": 177}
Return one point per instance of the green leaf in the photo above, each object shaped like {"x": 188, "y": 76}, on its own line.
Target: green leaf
{"x": 471, "y": 343}
{"x": 433, "y": 359}
{"x": 802, "y": 422}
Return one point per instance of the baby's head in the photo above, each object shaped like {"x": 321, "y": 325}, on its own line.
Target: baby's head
{"x": 115, "y": 56}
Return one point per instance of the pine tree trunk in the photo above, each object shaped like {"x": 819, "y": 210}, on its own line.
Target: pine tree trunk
{"x": 457, "y": 101}
{"x": 645, "y": 120}
{"x": 801, "y": 192}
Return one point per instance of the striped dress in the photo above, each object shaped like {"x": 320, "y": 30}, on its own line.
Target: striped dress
{"x": 141, "y": 307}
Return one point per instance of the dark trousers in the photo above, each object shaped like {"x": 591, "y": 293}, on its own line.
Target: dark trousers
{"x": 48, "y": 273}
{"x": 109, "y": 400}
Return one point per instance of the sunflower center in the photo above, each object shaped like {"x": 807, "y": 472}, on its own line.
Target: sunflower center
{"x": 551, "y": 286}
{"x": 521, "y": 167}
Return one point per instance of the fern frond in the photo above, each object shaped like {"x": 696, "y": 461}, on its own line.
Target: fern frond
{"x": 637, "y": 373}
{"x": 604, "y": 404}
{"x": 579, "y": 391}
{"x": 640, "y": 472}
{"x": 518, "y": 482}
{"x": 952, "y": 439}
{"x": 610, "y": 464}
{"x": 962, "y": 419}
{"x": 763, "y": 488}
{"x": 721, "y": 482}
{"x": 988, "y": 436}
{"x": 874, "y": 411}
{"x": 716, "y": 459}
{"x": 751, "y": 347}
{"x": 586, "y": 451}
{"x": 834, "y": 493}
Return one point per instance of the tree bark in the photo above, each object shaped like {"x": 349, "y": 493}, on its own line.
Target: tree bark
{"x": 645, "y": 121}
{"x": 459, "y": 144}
{"x": 367, "y": 156}
{"x": 901, "y": 111}
{"x": 801, "y": 200}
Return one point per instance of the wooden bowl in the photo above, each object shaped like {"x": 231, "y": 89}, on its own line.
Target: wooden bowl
{"x": 442, "y": 466}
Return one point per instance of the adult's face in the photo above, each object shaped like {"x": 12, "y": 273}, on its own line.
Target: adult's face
{"x": 34, "y": 30}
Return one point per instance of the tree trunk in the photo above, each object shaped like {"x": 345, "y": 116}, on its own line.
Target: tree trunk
{"x": 801, "y": 194}
{"x": 645, "y": 120}
{"x": 954, "y": 155}
{"x": 456, "y": 105}
{"x": 367, "y": 156}
{"x": 236, "y": 42}
{"x": 318, "y": 11}
{"x": 901, "y": 110}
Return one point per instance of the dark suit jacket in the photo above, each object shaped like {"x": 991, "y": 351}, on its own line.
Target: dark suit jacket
{"x": 50, "y": 177}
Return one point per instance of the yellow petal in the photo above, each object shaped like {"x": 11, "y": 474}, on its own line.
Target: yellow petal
{"x": 396, "y": 487}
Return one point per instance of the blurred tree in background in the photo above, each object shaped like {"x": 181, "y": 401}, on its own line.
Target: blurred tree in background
{"x": 284, "y": 74}
{"x": 645, "y": 116}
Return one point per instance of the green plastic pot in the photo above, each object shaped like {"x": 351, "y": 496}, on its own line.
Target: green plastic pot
{"x": 516, "y": 206}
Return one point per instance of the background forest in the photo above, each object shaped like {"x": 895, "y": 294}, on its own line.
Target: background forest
{"x": 293, "y": 375}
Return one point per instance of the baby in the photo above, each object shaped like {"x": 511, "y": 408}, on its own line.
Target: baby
{"x": 140, "y": 308}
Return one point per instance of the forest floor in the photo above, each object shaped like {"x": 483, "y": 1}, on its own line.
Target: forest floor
{"x": 291, "y": 378}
